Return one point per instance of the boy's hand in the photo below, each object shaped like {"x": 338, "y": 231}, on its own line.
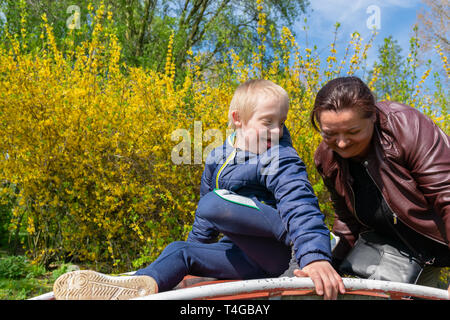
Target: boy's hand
{"x": 326, "y": 280}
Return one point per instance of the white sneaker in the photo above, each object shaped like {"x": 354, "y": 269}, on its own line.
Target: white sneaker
{"x": 91, "y": 285}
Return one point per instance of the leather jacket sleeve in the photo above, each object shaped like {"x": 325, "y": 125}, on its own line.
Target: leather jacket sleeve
{"x": 425, "y": 149}
{"x": 345, "y": 224}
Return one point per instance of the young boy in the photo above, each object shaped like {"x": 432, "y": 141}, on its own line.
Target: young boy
{"x": 254, "y": 191}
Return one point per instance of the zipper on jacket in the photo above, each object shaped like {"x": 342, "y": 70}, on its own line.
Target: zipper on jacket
{"x": 230, "y": 157}
{"x": 414, "y": 251}
{"x": 394, "y": 215}
{"x": 231, "y": 140}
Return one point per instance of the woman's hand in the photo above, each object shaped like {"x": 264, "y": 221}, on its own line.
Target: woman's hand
{"x": 327, "y": 281}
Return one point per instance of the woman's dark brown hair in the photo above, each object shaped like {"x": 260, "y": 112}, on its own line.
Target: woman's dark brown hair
{"x": 343, "y": 93}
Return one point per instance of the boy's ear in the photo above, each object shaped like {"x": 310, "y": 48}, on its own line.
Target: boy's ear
{"x": 236, "y": 118}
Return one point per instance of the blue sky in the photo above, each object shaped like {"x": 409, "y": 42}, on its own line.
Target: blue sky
{"x": 397, "y": 18}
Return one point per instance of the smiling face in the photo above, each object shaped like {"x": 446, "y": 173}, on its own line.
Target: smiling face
{"x": 346, "y": 132}
{"x": 264, "y": 128}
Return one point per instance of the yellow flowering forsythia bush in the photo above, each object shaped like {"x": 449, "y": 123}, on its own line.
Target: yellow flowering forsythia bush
{"x": 88, "y": 141}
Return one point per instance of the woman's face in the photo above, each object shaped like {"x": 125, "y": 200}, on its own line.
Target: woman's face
{"x": 346, "y": 132}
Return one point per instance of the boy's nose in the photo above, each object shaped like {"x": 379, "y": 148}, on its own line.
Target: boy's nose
{"x": 277, "y": 129}
{"x": 275, "y": 133}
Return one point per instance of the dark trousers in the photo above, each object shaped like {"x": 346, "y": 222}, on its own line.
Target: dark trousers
{"x": 255, "y": 243}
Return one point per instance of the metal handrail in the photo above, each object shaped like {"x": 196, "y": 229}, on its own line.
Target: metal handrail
{"x": 295, "y": 283}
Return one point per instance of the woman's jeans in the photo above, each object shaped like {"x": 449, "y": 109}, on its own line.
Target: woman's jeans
{"x": 255, "y": 243}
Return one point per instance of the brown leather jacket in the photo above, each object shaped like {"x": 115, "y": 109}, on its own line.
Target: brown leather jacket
{"x": 409, "y": 162}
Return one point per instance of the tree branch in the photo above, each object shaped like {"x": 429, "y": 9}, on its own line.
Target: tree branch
{"x": 149, "y": 7}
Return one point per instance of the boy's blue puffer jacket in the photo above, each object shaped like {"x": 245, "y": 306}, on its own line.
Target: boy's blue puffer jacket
{"x": 278, "y": 178}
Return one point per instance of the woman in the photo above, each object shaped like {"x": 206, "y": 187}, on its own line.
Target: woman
{"x": 387, "y": 167}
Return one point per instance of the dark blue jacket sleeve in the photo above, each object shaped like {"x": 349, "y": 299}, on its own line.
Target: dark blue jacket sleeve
{"x": 207, "y": 183}
{"x": 284, "y": 174}
{"x": 201, "y": 230}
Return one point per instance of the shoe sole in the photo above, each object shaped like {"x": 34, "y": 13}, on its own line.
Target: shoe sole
{"x": 91, "y": 285}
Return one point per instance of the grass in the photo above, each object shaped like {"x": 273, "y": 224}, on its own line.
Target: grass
{"x": 20, "y": 279}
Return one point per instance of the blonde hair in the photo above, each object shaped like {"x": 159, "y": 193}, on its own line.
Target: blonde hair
{"x": 246, "y": 97}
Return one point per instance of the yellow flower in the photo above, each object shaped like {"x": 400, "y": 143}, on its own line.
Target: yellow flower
{"x": 90, "y": 146}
